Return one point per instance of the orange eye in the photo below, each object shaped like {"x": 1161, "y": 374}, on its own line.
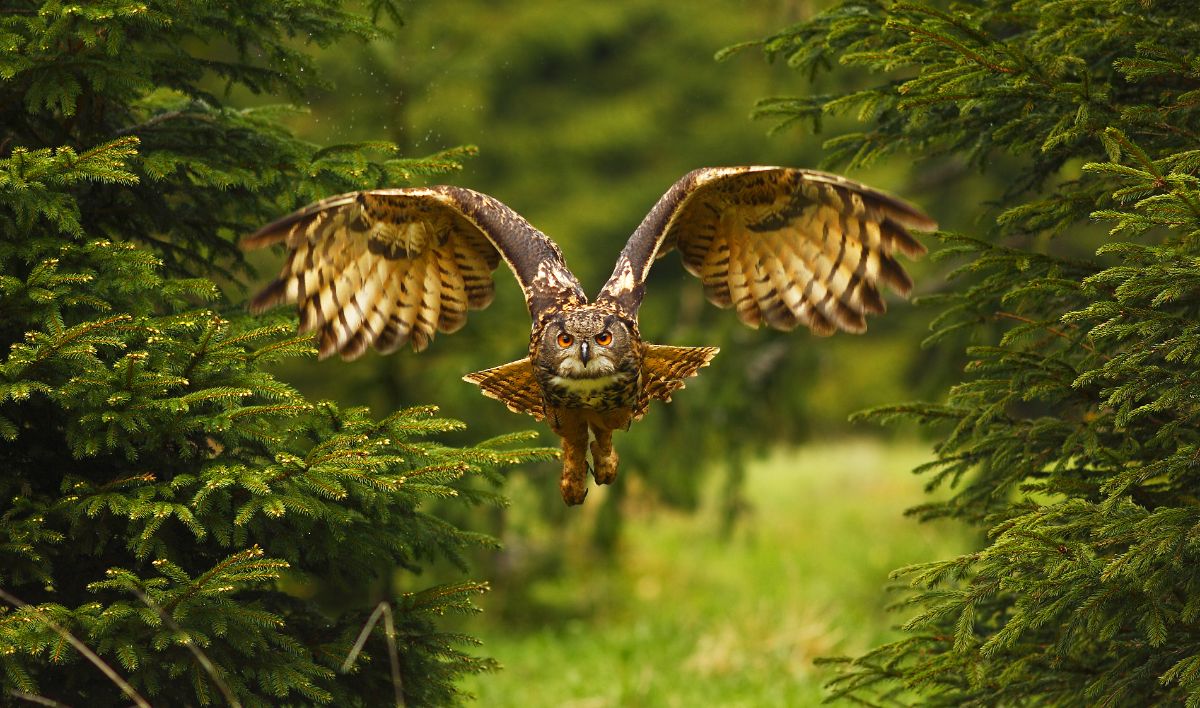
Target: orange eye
{"x": 565, "y": 340}
{"x": 604, "y": 338}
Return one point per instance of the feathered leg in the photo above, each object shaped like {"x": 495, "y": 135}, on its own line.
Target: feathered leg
{"x": 572, "y": 427}
{"x": 604, "y": 456}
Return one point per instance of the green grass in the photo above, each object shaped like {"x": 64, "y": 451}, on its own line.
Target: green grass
{"x": 684, "y": 617}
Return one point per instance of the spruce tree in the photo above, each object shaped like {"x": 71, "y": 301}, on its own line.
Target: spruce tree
{"x": 168, "y": 507}
{"x": 1071, "y": 437}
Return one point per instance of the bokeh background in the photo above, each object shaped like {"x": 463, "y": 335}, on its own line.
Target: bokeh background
{"x": 753, "y": 526}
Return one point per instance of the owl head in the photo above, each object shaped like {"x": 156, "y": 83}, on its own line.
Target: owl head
{"x": 585, "y": 344}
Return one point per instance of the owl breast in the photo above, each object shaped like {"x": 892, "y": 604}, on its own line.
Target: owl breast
{"x": 605, "y": 393}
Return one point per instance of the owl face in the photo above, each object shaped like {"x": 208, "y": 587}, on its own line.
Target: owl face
{"x": 584, "y": 345}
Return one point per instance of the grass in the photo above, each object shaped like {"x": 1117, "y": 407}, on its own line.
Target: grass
{"x": 684, "y": 616}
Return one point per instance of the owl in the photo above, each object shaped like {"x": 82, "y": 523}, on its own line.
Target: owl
{"x": 781, "y": 246}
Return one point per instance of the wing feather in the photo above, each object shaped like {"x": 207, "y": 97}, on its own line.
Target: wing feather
{"x": 410, "y": 292}
{"x": 741, "y": 265}
{"x": 781, "y": 246}
{"x": 713, "y": 271}
{"x": 665, "y": 370}
{"x": 515, "y": 384}
{"x": 429, "y": 308}
{"x": 387, "y": 306}
{"x": 387, "y": 267}
{"x": 453, "y": 287}
{"x": 779, "y": 310}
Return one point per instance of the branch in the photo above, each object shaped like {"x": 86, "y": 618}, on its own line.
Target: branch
{"x": 389, "y": 629}
{"x": 162, "y": 118}
{"x": 40, "y": 700}
{"x": 81, "y": 648}
{"x": 961, "y": 49}
{"x": 201, "y": 657}
{"x": 1160, "y": 180}
{"x": 1051, "y": 330}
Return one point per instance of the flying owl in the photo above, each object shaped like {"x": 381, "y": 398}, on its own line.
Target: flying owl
{"x": 781, "y": 246}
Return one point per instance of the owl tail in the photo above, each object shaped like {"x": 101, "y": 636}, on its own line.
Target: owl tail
{"x": 513, "y": 384}
{"x": 664, "y": 369}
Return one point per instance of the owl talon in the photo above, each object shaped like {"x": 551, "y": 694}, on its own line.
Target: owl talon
{"x": 573, "y": 491}
{"x": 605, "y": 470}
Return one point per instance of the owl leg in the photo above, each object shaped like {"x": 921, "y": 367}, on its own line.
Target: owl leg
{"x": 573, "y": 429}
{"x": 604, "y": 456}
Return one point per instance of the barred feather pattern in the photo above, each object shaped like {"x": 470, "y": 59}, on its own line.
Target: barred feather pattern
{"x": 514, "y": 384}
{"x": 389, "y": 267}
{"x": 781, "y": 246}
{"x": 665, "y": 370}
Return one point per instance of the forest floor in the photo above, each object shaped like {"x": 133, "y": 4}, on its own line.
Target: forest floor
{"x": 687, "y": 616}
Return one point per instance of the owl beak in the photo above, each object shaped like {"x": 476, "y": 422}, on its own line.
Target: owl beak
{"x": 584, "y": 352}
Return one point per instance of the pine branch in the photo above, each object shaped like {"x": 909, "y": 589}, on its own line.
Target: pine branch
{"x": 82, "y": 648}
{"x": 1051, "y": 330}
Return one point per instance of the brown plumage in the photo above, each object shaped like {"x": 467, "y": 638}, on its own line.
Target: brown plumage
{"x": 781, "y": 246}
{"x": 391, "y": 266}
{"x": 666, "y": 369}
{"x": 514, "y": 384}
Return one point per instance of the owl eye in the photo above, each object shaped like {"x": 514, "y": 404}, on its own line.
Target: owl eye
{"x": 604, "y": 338}
{"x": 565, "y": 340}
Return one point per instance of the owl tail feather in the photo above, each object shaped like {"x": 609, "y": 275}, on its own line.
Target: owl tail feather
{"x": 664, "y": 369}
{"x": 513, "y": 384}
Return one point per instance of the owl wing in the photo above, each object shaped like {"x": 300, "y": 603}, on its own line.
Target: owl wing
{"x": 666, "y": 369}
{"x": 782, "y": 246}
{"x": 384, "y": 267}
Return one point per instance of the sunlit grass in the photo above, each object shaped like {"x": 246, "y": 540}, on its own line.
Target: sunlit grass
{"x": 685, "y": 617}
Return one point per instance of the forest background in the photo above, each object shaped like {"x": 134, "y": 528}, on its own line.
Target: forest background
{"x": 753, "y": 483}
{"x": 155, "y": 462}
{"x": 582, "y": 117}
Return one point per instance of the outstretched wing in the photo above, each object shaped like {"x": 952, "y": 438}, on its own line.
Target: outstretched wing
{"x": 782, "y": 246}
{"x": 389, "y": 266}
